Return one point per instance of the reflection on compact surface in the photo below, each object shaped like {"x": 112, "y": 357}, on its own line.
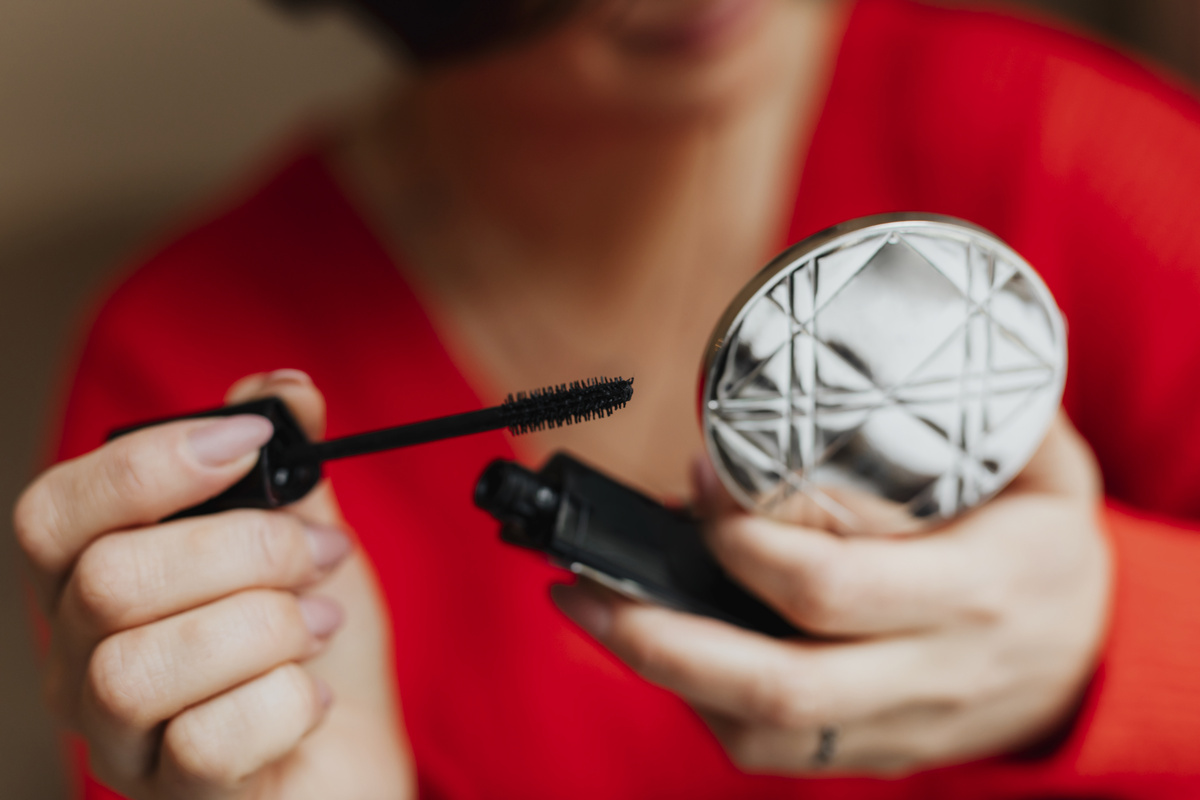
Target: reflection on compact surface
{"x": 885, "y": 374}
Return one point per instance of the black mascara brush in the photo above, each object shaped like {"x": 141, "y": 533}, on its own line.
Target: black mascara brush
{"x": 289, "y": 465}
{"x": 524, "y": 412}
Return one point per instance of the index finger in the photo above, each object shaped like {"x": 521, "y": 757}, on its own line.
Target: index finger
{"x": 135, "y": 480}
{"x": 751, "y": 677}
{"x": 837, "y": 586}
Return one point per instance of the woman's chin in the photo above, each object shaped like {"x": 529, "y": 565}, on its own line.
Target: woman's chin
{"x": 695, "y": 63}
{"x": 723, "y": 53}
{"x": 688, "y": 30}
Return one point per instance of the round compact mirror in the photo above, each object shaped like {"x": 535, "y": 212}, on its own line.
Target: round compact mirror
{"x": 883, "y": 375}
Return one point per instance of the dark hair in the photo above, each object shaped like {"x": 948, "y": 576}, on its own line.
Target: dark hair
{"x": 442, "y": 30}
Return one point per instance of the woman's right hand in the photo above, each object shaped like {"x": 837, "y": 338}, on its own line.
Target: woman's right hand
{"x": 197, "y": 657}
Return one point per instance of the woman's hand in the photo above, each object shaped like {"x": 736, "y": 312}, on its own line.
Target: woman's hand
{"x": 198, "y": 657}
{"x": 970, "y": 641}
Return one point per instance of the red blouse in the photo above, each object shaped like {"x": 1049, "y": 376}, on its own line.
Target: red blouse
{"x": 1087, "y": 164}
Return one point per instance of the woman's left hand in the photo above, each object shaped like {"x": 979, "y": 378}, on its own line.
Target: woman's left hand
{"x": 971, "y": 641}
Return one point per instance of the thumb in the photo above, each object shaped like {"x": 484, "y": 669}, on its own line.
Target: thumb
{"x": 1063, "y": 465}
{"x": 712, "y": 500}
{"x": 294, "y": 388}
{"x": 298, "y": 392}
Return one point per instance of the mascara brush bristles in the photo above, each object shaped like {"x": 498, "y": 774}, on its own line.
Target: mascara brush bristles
{"x": 564, "y": 404}
{"x": 553, "y": 406}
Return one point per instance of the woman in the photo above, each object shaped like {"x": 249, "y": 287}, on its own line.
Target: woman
{"x": 583, "y": 201}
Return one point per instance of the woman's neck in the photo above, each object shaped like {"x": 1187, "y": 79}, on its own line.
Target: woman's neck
{"x": 551, "y": 243}
{"x": 581, "y": 193}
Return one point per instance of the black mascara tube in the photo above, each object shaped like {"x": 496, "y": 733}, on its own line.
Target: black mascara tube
{"x": 618, "y": 537}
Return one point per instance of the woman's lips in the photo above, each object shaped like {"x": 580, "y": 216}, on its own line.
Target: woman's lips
{"x": 674, "y": 26}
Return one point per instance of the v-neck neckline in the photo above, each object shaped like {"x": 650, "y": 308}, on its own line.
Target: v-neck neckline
{"x": 468, "y": 386}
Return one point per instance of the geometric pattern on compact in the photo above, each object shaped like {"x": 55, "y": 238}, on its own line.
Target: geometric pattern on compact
{"x": 897, "y": 370}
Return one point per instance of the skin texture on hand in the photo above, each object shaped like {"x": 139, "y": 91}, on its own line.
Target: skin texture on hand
{"x": 972, "y": 640}
{"x": 237, "y": 655}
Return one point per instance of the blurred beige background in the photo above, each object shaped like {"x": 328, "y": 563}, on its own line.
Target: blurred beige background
{"x": 115, "y": 117}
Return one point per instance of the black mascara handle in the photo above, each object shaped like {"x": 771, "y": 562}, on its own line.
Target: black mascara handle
{"x": 613, "y": 534}
{"x": 277, "y": 478}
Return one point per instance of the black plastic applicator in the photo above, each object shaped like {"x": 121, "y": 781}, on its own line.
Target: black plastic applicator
{"x": 289, "y": 465}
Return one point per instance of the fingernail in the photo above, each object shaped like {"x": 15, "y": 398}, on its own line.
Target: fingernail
{"x": 328, "y": 545}
{"x": 288, "y": 376}
{"x": 324, "y": 694}
{"x": 251, "y": 382}
{"x": 584, "y": 610}
{"x": 222, "y": 441}
{"x": 322, "y": 616}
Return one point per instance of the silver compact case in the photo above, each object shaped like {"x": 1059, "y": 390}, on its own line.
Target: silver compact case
{"x": 883, "y": 375}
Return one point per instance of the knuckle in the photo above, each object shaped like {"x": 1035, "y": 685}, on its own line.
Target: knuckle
{"x": 37, "y": 521}
{"x": 723, "y": 536}
{"x": 986, "y": 598}
{"x": 930, "y": 747}
{"x": 194, "y": 744}
{"x": 108, "y": 582}
{"x": 822, "y": 594}
{"x": 645, "y": 656}
{"x": 271, "y": 619}
{"x": 275, "y": 542}
{"x": 981, "y": 680}
{"x": 296, "y": 687}
{"x": 777, "y": 708}
{"x": 211, "y": 744}
{"x": 779, "y": 699}
{"x": 129, "y": 472}
{"x": 118, "y": 681}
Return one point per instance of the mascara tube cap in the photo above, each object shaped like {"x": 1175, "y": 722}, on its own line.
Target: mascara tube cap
{"x": 520, "y": 499}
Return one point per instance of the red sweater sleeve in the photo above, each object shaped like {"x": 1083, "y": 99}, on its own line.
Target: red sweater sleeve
{"x": 1128, "y": 153}
{"x": 1120, "y": 152}
{"x": 1145, "y": 710}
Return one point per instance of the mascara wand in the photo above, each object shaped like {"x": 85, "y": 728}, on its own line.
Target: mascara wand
{"x": 289, "y": 465}
{"x": 524, "y": 412}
